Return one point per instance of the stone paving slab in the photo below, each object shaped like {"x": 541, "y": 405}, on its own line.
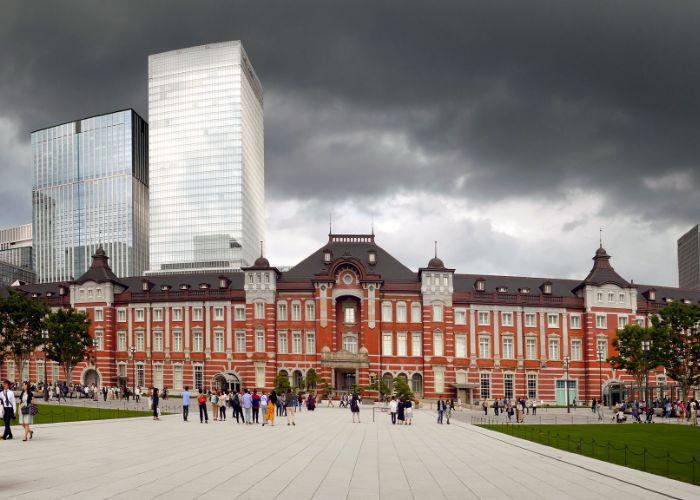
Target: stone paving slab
{"x": 325, "y": 456}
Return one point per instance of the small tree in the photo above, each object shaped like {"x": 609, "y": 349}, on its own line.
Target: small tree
{"x": 631, "y": 355}
{"x": 680, "y": 338}
{"x": 402, "y": 389}
{"x": 381, "y": 386}
{"x": 282, "y": 383}
{"x": 68, "y": 339}
{"x": 311, "y": 380}
{"x": 21, "y": 327}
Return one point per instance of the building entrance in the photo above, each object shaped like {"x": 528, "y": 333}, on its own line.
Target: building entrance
{"x": 227, "y": 381}
{"x": 344, "y": 379}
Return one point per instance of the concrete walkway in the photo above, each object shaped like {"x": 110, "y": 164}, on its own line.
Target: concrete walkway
{"x": 323, "y": 456}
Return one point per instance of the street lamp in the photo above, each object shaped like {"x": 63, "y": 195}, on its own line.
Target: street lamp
{"x": 600, "y": 373}
{"x": 133, "y": 360}
{"x": 646, "y": 346}
{"x": 566, "y": 383}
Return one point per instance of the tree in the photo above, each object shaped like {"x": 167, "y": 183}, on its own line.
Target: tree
{"x": 381, "y": 386}
{"x": 680, "y": 338}
{"x": 68, "y": 339}
{"x": 402, "y": 389}
{"x": 282, "y": 383}
{"x": 631, "y": 355}
{"x": 311, "y": 380}
{"x": 21, "y": 327}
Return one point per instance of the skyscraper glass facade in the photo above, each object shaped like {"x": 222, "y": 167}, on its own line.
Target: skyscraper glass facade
{"x": 16, "y": 246}
{"x": 207, "y": 181}
{"x": 90, "y": 187}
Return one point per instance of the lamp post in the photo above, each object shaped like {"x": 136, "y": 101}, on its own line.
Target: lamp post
{"x": 646, "y": 346}
{"x": 600, "y": 373}
{"x": 566, "y": 383}
{"x": 133, "y": 360}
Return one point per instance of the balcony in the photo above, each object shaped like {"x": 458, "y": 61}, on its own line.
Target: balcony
{"x": 345, "y": 359}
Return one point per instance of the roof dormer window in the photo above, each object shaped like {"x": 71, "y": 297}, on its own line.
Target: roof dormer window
{"x": 652, "y": 294}
{"x": 144, "y": 286}
{"x": 326, "y": 256}
{"x": 480, "y": 285}
{"x": 223, "y": 283}
{"x": 547, "y": 288}
{"x": 61, "y": 290}
{"x": 668, "y": 299}
{"x": 685, "y": 301}
{"x": 184, "y": 286}
{"x": 203, "y": 286}
{"x": 49, "y": 294}
{"x": 165, "y": 288}
{"x": 502, "y": 289}
{"x": 372, "y": 257}
{"x": 524, "y": 290}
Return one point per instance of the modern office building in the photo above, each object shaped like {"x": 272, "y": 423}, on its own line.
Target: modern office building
{"x": 10, "y": 274}
{"x": 90, "y": 187}
{"x": 689, "y": 259}
{"x": 207, "y": 198}
{"x": 16, "y": 246}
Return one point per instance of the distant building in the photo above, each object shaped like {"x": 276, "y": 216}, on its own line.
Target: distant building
{"x": 207, "y": 191}
{"x": 16, "y": 246}
{"x": 90, "y": 187}
{"x": 689, "y": 259}
{"x": 10, "y": 274}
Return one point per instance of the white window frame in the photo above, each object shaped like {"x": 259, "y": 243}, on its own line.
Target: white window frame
{"x": 99, "y": 314}
{"x": 622, "y": 321}
{"x": 508, "y": 347}
{"x": 386, "y": 311}
{"x": 483, "y": 318}
{"x": 310, "y": 342}
{"x": 507, "y": 318}
{"x": 310, "y": 309}
{"x": 121, "y": 315}
{"x": 297, "y": 343}
{"x": 282, "y": 342}
{"x": 576, "y": 350}
{"x": 401, "y": 344}
{"x": 601, "y": 321}
{"x": 438, "y": 313}
{"x": 296, "y": 311}
{"x": 177, "y": 314}
{"x": 219, "y": 313}
{"x": 260, "y": 340}
{"x": 575, "y": 322}
{"x": 484, "y": 347}
{"x": 158, "y": 314}
{"x": 121, "y": 341}
{"x": 139, "y": 315}
{"x": 259, "y": 310}
{"x": 197, "y": 314}
{"x": 552, "y": 320}
{"x": 282, "y": 311}
{"x": 416, "y": 344}
{"x": 219, "y": 342}
{"x": 239, "y": 312}
{"x": 416, "y": 312}
{"x": 197, "y": 340}
{"x": 460, "y": 316}
{"x": 530, "y": 347}
{"x": 553, "y": 348}
{"x": 460, "y": 346}
{"x": 177, "y": 340}
{"x": 387, "y": 344}
{"x": 158, "y": 340}
{"x": 401, "y": 312}
{"x": 531, "y": 320}
{"x": 240, "y": 341}
{"x": 438, "y": 343}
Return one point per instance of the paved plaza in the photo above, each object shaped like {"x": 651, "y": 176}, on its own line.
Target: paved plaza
{"x": 323, "y": 456}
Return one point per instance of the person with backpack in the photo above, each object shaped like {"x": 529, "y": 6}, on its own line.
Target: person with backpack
{"x": 202, "y": 401}
{"x": 237, "y": 408}
{"x": 214, "y": 401}
{"x": 355, "y": 408}
{"x": 223, "y": 401}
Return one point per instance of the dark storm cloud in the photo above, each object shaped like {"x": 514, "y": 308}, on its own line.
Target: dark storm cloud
{"x": 488, "y": 100}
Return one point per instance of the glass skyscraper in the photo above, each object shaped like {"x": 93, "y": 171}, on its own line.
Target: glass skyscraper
{"x": 207, "y": 189}
{"x": 90, "y": 187}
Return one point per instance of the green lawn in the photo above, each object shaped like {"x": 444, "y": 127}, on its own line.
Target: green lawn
{"x": 667, "y": 450}
{"x": 49, "y": 414}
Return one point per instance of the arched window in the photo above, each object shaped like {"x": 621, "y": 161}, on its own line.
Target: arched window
{"x": 403, "y": 377}
{"x": 416, "y": 313}
{"x": 296, "y": 379}
{"x": 400, "y": 312}
{"x": 386, "y": 311}
{"x": 388, "y": 380}
{"x": 417, "y": 384}
{"x": 350, "y": 343}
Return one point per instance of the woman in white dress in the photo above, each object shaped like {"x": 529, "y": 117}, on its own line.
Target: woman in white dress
{"x": 25, "y": 416}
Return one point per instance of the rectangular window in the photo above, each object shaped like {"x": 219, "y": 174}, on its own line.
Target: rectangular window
{"x": 484, "y": 318}
{"x": 218, "y": 341}
{"x": 622, "y": 298}
{"x": 553, "y": 320}
{"x": 158, "y": 375}
{"x": 461, "y": 346}
{"x": 197, "y": 314}
{"x": 484, "y": 347}
{"x": 554, "y": 348}
{"x": 508, "y": 383}
{"x": 296, "y": 311}
{"x": 296, "y": 341}
{"x": 99, "y": 314}
{"x": 401, "y": 344}
{"x": 54, "y": 372}
{"x": 611, "y": 297}
{"x": 259, "y": 312}
{"x": 530, "y": 319}
{"x": 460, "y": 316}
{"x": 99, "y": 339}
{"x": 259, "y": 340}
{"x": 438, "y": 344}
{"x": 576, "y": 353}
{"x": 401, "y": 312}
{"x": 310, "y": 343}
{"x": 121, "y": 341}
{"x": 601, "y": 321}
{"x": 139, "y": 341}
{"x": 282, "y": 343}
{"x": 177, "y": 314}
{"x": 599, "y": 296}
{"x": 140, "y": 375}
{"x": 158, "y": 341}
{"x": 437, "y": 313}
{"x": 199, "y": 377}
{"x": 310, "y": 311}
{"x": 197, "y": 343}
{"x": 239, "y": 312}
{"x": 531, "y": 386}
{"x": 531, "y": 348}
{"x": 602, "y": 347}
{"x": 508, "y": 348}
{"x": 260, "y": 376}
{"x": 485, "y": 385}
{"x": 139, "y": 314}
{"x": 640, "y": 322}
{"x": 157, "y": 315}
{"x": 575, "y": 321}
{"x": 282, "y": 311}
{"x": 416, "y": 344}
{"x": 621, "y": 322}
{"x": 40, "y": 372}
{"x": 177, "y": 377}
{"x": 387, "y": 345}
{"x": 11, "y": 371}
{"x": 177, "y": 340}
{"x": 386, "y": 311}
{"x": 349, "y": 315}
{"x": 121, "y": 315}
{"x": 439, "y": 381}
{"x": 240, "y": 341}
{"x": 416, "y": 312}
{"x": 507, "y": 318}
{"x": 218, "y": 313}
{"x": 121, "y": 370}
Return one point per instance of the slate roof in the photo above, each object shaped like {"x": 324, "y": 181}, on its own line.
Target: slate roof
{"x": 358, "y": 247}
{"x": 602, "y": 272}
{"x": 99, "y": 270}
{"x": 560, "y": 287}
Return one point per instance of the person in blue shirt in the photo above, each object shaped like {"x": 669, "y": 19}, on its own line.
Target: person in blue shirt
{"x": 247, "y": 407}
{"x": 185, "y": 403}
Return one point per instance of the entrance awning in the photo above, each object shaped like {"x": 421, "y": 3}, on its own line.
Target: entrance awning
{"x": 229, "y": 377}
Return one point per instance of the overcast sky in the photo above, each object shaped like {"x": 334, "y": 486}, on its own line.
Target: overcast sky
{"x": 508, "y": 131}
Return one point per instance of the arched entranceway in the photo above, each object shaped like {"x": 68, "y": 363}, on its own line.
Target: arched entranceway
{"x": 91, "y": 377}
{"x": 296, "y": 379}
{"x": 226, "y": 381}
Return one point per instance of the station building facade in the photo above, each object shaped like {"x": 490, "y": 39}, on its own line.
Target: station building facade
{"x": 353, "y": 313}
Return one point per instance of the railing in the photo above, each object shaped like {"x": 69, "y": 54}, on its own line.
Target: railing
{"x": 624, "y": 454}
{"x": 344, "y": 357}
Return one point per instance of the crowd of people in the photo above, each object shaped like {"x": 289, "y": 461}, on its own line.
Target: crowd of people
{"x": 23, "y": 412}
{"x": 669, "y": 409}
{"x": 518, "y": 408}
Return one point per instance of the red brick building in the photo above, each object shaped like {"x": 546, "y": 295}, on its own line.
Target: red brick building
{"x": 353, "y": 313}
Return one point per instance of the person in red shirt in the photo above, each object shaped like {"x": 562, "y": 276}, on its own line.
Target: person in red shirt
{"x": 256, "y": 405}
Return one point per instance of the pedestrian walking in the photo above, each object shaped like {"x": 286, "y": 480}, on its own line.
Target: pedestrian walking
{"x": 440, "y": 410}
{"x": 223, "y": 401}
{"x": 185, "y": 403}
{"x": 214, "y": 402}
{"x": 237, "y": 406}
{"x": 449, "y": 408}
{"x": 154, "y": 404}
{"x": 269, "y": 416}
{"x": 393, "y": 407}
{"x": 7, "y": 398}
{"x": 289, "y": 407}
{"x": 202, "y": 402}
{"x": 255, "y": 400}
{"x": 408, "y": 411}
{"x": 355, "y": 408}
{"x": 247, "y": 407}
{"x": 534, "y": 408}
{"x": 401, "y": 411}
